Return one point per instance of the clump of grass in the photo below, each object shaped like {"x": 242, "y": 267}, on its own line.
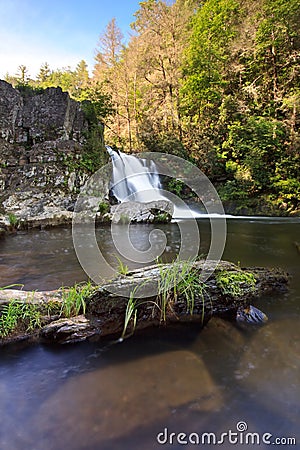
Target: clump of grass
{"x": 53, "y": 307}
{"x": 234, "y": 283}
{"x": 17, "y": 312}
{"x": 13, "y": 220}
{"x": 11, "y": 286}
{"x": 74, "y": 299}
{"x": 122, "y": 268}
{"x": 180, "y": 278}
{"x": 130, "y": 314}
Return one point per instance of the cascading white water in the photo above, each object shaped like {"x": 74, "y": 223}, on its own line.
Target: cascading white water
{"x": 136, "y": 179}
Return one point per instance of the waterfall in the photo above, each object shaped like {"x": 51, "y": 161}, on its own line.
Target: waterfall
{"x": 134, "y": 177}
{"x": 138, "y": 179}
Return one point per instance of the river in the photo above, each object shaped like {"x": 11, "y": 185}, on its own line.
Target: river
{"x": 129, "y": 396}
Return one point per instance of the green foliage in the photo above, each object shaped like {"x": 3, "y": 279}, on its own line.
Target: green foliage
{"x": 130, "y": 314}
{"x": 13, "y": 220}
{"x": 162, "y": 217}
{"x": 254, "y": 146}
{"x": 179, "y": 279}
{"x": 123, "y": 269}
{"x": 97, "y": 104}
{"x": 18, "y": 313}
{"x": 235, "y": 190}
{"x": 28, "y": 90}
{"x": 53, "y": 307}
{"x": 104, "y": 208}
{"x": 175, "y": 186}
{"x": 235, "y": 283}
{"x": 208, "y": 55}
{"x": 94, "y": 155}
{"x": 164, "y": 143}
{"x": 74, "y": 299}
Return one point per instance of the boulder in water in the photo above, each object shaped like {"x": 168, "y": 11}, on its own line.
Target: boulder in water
{"x": 158, "y": 211}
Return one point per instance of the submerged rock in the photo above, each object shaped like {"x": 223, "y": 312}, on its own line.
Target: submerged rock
{"x": 268, "y": 372}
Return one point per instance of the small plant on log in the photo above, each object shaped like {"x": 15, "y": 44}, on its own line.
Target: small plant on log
{"x": 123, "y": 269}
{"x": 180, "y": 279}
{"x": 16, "y": 313}
{"x": 74, "y": 299}
{"x": 130, "y": 314}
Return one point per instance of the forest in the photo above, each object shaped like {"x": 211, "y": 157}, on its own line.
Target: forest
{"x": 212, "y": 81}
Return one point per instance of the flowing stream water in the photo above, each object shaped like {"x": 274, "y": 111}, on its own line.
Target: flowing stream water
{"x": 106, "y": 396}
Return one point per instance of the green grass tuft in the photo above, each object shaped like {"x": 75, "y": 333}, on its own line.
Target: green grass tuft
{"x": 74, "y": 299}
{"x": 17, "y": 312}
{"x": 181, "y": 278}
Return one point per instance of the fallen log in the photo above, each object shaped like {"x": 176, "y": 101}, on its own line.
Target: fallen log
{"x": 116, "y": 309}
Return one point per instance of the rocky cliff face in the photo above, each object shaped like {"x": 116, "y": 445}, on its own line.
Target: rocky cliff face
{"x": 42, "y": 137}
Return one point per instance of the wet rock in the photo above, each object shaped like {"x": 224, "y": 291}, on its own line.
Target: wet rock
{"x": 250, "y": 315}
{"x": 137, "y": 212}
{"x": 112, "y": 400}
{"x": 67, "y": 330}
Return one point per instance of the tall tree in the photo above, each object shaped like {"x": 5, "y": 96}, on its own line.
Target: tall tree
{"x": 44, "y": 73}
{"x": 106, "y": 71}
{"x": 208, "y": 57}
{"x": 23, "y": 74}
{"x": 162, "y": 31}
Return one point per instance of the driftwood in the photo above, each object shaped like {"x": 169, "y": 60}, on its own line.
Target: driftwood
{"x": 105, "y": 310}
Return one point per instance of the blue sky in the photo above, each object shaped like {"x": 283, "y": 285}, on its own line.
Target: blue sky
{"x": 60, "y": 32}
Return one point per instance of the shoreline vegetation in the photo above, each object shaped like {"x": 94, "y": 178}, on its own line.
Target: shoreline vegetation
{"x": 85, "y": 311}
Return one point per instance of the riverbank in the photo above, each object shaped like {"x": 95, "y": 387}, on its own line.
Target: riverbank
{"x": 11, "y": 223}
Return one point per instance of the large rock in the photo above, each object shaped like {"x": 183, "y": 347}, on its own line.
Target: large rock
{"x": 39, "y": 116}
{"x": 42, "y": 139}
{"x": 151, "y": 212}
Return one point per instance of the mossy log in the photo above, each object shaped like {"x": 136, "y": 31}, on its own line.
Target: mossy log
{"x": 106, "y": 311}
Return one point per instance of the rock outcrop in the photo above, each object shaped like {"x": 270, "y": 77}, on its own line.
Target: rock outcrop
{"x": 43, "y": 135}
